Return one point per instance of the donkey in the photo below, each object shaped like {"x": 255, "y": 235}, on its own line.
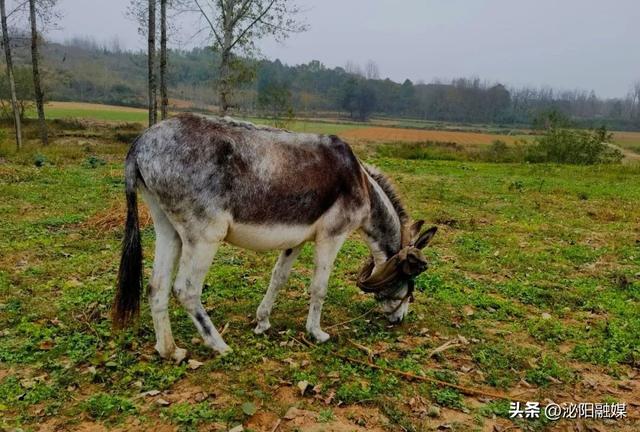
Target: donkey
{"x": 208, "y": 180}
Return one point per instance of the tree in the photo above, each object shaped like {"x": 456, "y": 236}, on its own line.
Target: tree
{"x": 236, "y": 25}
{"x": 358, "y": 98}
{"x": 35, "y": 58}
{"x": 12, "y": 85}
{"x": 151, "y": 54}
{"x": 372, "y": 70}
{"x": 274, "y": 98}
{"x": 141, "y": 12}
{"x": 164, "y": 98}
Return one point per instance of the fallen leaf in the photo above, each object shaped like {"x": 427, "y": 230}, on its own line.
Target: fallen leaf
{"x": 293, "y": 413}
{"x": 163, "y": 402}
{"x": 249, "y": 408}
{"x": 194, "y": 364}
{"x": 46, "y": 345}
{"x": 199, "y": 397}
{"x": 238, "y": 428}
{"x": 303, "y": 385}
{"x": 330, "y": 397}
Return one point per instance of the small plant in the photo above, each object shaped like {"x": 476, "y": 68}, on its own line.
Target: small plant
{"x": 547, "y": 371}
{"x": 516, "y": 185}
{"x": 191, "y": 415}
{"x": 94, "y": 162}
{"x": 447, "y": 397}
{"x": 40, "y": 160}
{"x": 103, "y": 406}
{"x": 326, "y": 416}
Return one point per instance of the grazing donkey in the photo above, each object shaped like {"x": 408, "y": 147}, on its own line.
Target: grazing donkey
{"x": 208, "y": 180}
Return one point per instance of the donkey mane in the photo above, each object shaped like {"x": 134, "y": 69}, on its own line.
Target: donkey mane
{"x": 388, "y": 188}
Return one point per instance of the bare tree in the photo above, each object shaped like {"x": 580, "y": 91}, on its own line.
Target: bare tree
{"x": 237, "y": 24}
{"x": 353, "y": 68}
{"x": 139, "y": 11}
{"x": 12, "y": 84}
{"x": 371, "y": 70}
{"x": 151, "y": 35}
{"x": 164, "y": 98}
{"x": 37, "y": 86}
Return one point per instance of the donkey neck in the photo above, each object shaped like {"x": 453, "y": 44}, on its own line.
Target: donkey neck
{"x": 382, "y": 228}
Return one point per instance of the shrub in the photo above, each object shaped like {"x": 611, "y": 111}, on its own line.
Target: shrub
{"x": 499, "y": 151}
{"x": 570, "y": 146}
{"x": 39, "y": 160}
{"x": 94, "y": 162}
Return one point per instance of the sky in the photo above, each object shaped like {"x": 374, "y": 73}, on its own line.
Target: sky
{"x": 565, "y": 44}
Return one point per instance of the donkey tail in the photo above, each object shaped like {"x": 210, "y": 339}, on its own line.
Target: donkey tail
{"x": 126, "y": 305}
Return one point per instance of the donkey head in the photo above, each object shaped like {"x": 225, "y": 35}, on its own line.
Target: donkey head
{"x": 392, "y": 282}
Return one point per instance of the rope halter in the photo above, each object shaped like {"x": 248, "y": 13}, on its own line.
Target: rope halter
{"x": 404, "y": 266}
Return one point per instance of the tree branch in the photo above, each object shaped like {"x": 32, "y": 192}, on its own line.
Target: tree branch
{"x": 206, "y": 17}
{"x": 252, "y": 24}
{"x": 242, "y": 12}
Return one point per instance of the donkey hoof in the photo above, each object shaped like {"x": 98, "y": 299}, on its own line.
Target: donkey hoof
{"x": 262, "y": 327}
{"x": 320, "y": 336}
{"x": 179, "y": 354}
{"x": 224, "y": 351}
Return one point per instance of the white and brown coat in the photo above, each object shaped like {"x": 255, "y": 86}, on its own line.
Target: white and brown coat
{"x": 209, "y": 180}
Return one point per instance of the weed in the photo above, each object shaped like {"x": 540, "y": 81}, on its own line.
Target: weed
{"x": 104, "y": 406}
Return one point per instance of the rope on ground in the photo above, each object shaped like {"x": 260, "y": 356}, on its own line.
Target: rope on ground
{"x": 410, "y": 376}
{"x": 352, "y": 319}
{"x": 465, "y": 390}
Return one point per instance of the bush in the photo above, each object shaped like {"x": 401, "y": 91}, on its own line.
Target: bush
{"x": 499, "y": 151}
{"x": 570, "y": 146}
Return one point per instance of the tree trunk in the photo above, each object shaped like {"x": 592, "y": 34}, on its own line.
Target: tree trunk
{"x": 12, "y": 83}
{"x": 223, "y": 83}
{"x": 44, "y": 136}
{"x": 224, "y": 80}
{"x": 164, "y": 97}
{"x": 151, "y": 30}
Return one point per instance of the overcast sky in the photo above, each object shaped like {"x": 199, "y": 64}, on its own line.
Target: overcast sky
{"x": 566, "y": 44}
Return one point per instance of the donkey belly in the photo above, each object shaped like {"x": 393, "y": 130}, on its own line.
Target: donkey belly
{"x": 269, "y": 237}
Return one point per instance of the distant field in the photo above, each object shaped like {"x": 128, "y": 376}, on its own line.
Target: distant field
{"x": 382, "y": 134}
{"x": 349, "y": 131}
{"x": 628, "y": 140}
{"x": 59, "y": 110}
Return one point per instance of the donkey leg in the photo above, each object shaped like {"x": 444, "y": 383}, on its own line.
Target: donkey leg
{"x": 326, "y": 252}
{"x": 195, "y": 261}
{"x": 279, "y": 277}
{"x": 167, "y": 252}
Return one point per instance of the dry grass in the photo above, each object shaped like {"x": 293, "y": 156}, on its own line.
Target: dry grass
{"x": 114, "y": 217}
{"x": 92, "y": 106}
{"x": 383, "y": 134}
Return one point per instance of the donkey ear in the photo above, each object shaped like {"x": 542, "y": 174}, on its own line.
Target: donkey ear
{"x": 414, "y": 229}
{"x": 425, "y": 238}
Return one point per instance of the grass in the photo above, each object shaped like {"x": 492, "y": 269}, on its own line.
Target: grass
{"x": 535, "y": 265}
{"x": 67, "y": 110}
